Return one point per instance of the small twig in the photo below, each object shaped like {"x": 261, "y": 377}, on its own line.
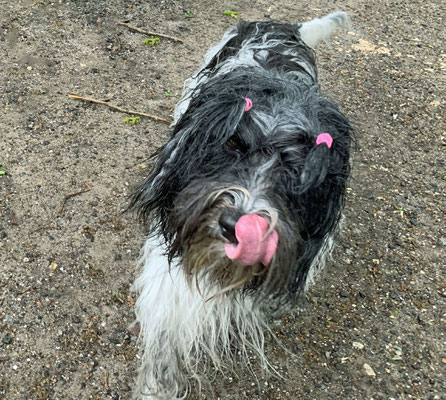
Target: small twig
{"x": 116, "y": 108}
{"x": 134, "y": 28}
{"x": 116, "y": 222}
{"x": 25, "y": 291}
{"x": 106, "y": 383}
{"x": 69, "y": 196}
{"x": 373, "y": 270}
{"x": 37, "y": 299}
{"x": 414, "y": 258}
{"x": 119, "y": 43}
{"x": 40, "y": 123}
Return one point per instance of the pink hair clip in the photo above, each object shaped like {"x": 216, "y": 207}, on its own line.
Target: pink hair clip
{"x": 324, "y": 138}
{"x": 248, "y": 104}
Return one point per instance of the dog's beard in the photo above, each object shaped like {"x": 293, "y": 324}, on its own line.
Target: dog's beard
{"x": 197, "y": 241}
{"x": 204, "y": 258}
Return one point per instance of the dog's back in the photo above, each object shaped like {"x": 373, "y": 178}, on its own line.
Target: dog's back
{"x": 267, "y": 44}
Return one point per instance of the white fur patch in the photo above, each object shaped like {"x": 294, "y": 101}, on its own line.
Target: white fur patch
{"x": 178, "y": 326}
{"x": 318, "y": 29}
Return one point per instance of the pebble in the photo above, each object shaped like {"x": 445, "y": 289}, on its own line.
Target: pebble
{"x": 442, "y": 241}
{"x": 6, "y": 339}
{"x": 369, "y": 370}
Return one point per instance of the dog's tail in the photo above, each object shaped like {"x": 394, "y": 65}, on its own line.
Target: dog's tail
{"x": 312, "y": 32}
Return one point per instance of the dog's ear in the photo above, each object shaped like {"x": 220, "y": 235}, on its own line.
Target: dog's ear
{"x": 324, "y": 173}
{"x": 193, "y": 150}
{"x": 327, "y": 159}
{"x": 315, "y": 168}
{"x": 148, "y": 196}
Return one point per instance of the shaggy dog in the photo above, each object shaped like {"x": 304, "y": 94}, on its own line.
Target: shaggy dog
{"x": 242, "y": 203}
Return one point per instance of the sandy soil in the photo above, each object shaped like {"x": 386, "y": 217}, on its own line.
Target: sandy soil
{"x": 372, "y": 328}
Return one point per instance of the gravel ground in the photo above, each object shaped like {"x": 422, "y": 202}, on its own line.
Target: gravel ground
{"x": 372, "y": 328}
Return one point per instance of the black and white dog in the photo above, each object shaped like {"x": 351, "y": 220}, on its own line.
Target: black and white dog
{"x": 242, "y": 202}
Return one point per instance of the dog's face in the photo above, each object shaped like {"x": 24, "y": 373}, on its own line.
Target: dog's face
{"x": 245, "y": 198}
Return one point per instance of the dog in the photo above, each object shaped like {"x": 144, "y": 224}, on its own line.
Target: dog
{"x": 241, "y": 205}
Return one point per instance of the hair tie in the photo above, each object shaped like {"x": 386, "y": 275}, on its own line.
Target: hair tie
{"x": 248, "y": 104}
{"x": 324, "y": 138}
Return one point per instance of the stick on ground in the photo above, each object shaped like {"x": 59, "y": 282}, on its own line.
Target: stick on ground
{"x": 69, "y": 196}
{"x": 116, "y": 108}
{"x": 134, "y": 28}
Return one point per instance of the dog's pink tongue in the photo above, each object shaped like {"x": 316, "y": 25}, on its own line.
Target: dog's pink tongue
{"x": 253, "y": 246}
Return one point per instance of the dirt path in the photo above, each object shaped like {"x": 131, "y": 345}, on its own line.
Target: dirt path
{"x": 373, "y": 328}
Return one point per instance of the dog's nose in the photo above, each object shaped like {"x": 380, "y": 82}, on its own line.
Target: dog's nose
{"x": 227, "y": 221}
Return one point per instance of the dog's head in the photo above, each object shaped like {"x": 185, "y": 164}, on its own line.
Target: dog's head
{"x": 242, "y": 193}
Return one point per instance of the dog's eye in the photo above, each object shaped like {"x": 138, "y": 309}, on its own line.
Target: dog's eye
{"x": 235, "y": 144}
{"x": 232, "y": 145}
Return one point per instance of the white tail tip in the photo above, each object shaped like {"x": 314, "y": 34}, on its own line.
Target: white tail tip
{"x": 318, "y": 29}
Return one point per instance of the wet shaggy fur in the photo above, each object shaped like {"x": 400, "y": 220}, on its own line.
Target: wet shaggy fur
{"x": 195, "y": 303}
